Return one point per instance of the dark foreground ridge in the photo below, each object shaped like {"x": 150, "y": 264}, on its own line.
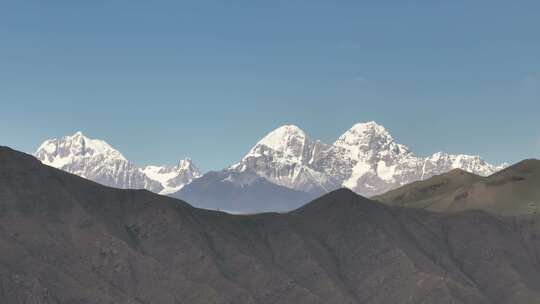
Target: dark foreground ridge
{"x": 64, "y": 240}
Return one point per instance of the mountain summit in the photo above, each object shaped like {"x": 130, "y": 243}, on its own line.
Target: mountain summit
{"x": 289, "y": 140}
{"x": 380, "y": 164}
{"x": 285, "y": 157}
{"x": 96, "y": 160}
{"x": 366, "y": 159}
{"x": 173, "y": 178}
{"x": 60, "y": 152}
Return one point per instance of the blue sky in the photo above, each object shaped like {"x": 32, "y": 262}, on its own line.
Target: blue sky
{"x": 161, "y": 80}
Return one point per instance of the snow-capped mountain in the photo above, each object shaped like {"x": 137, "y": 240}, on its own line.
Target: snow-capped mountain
{"x": 365, "y": 159}
{"x": 96, "y": 160}
{"x": 377, "y": 162}
{"x": 173, "y": 178}
{"x": 285, "y": 157}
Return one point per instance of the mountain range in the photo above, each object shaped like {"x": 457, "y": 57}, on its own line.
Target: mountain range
{"x": 96, "y": 160}
{"x": 365, "y": 159}
{"x": 65, "y": 239}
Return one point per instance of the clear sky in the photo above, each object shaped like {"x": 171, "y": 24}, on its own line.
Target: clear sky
{"x": 161, "y": 80}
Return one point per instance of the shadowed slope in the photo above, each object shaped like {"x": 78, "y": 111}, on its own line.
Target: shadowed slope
{"x": 64, "y": 239}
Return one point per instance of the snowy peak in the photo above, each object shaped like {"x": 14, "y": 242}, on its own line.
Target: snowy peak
{"x": 288, "y": 141}
{"x": 186, "y": 164}
{"x": 60, "y": 152}
{"x": 365, "y": 135}
{"x": 366, "y": 159}
{"x": 282, "y": 135}
{"x": 173, "y": 178}
{"x": 96, "y": 160}
{"x": 183, "y": 165}
{"x": 368, "y": 130}
{"x": 369, "y": 140}
{"x": 470, "y": 163}
{"x": 283, "y": 157}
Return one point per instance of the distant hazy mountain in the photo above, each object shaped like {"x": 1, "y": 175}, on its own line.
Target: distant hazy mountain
{"x": 65, "y": 239}
{"x": 96, "y": 160}
{"x": 241, "y": 192}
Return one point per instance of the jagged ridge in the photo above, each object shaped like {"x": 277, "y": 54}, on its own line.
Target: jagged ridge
{"x": 365, "y": 159}
{"x": 98, "y": 161}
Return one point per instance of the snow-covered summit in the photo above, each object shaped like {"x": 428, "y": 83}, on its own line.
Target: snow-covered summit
{"x": 96, "y": 160}
{"x": 186, "y": 164}
{"x": 470, "y": 163}
{"x": 173, "y": 178}
{"x": 283, "y": 157}
{"x": 365, "y": 134}
{"x": 365, "y": 158}
{"x": 60, "y": 152}
{"x": 288, "y": 143}
{"x": 370, "y": 128}
{"x": 365, "y": 140}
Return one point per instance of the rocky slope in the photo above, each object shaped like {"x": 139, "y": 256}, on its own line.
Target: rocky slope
{"x": 96, "y": 160}
{"x": 65, "y": 239}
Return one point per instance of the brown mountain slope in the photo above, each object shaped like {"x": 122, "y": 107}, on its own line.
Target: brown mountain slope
{"x": 512, "y": 191}
{"x": 64, "y": 239}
